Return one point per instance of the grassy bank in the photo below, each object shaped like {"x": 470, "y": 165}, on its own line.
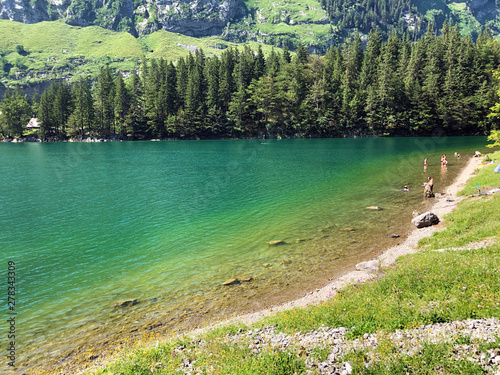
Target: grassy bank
{"x": 455, "y": 276}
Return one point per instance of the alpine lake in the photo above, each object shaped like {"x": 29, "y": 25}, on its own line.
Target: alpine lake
{"x": 167, "y": 223}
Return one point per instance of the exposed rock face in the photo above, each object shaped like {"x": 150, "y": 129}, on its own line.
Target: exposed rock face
{"x": 195, "y": 18}
{"x": 190, "y": 17}
{"x": 22, "y": 11}
{"x": 425, "y": 220}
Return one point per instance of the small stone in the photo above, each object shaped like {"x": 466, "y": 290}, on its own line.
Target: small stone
{"x": 374, "y": 208}
{"x": 231, "y": 282}
{"x": 394, "y": 235}
{"x": 245, "y": 279}
{"x": 348, "y": 229}
{"x": 286, "y": 261}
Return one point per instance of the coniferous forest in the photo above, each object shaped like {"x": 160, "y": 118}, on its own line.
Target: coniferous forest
{"x": 443, "y": 83}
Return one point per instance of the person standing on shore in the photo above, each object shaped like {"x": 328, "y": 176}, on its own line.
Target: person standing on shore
{"x": 425, "y": 163}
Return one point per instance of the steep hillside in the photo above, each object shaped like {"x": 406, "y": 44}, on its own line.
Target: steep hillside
{"x": 316, "y": 23}
{"x": 32, "y": 54}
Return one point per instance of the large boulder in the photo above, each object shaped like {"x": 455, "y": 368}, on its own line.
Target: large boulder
{"x": 425, "y": 220}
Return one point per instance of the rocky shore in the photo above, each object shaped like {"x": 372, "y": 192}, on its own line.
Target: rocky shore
{"x": 465, "y": 337}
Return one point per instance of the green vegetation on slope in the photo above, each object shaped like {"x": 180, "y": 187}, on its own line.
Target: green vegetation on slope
{"x": 438, "y": 84}
{"x": 285, "y": 24}
{"x": 419, "y": 289}
{"x": 55, "y": 50}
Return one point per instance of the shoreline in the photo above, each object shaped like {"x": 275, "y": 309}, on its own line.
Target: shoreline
{"x": 443, "y": 204}
{"x": 440, "y": 206}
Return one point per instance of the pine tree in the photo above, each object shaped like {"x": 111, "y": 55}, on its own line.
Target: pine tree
{"x": 16, "y": 113}
{"x": 104, "y": 96}
{"x": 121, "y": 105}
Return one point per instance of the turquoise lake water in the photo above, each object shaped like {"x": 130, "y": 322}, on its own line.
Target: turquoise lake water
{"x": 168, "y": 222}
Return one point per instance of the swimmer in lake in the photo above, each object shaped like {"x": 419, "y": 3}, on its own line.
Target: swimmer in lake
{"x": 406, "y": 188}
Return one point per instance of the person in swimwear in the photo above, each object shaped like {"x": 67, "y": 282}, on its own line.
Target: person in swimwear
{"x": 406, "y": 188}
{"x": 431, "y": 183}
{"x": 425, "y": 162}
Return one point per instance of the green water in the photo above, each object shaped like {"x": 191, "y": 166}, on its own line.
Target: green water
{"x": 168, "y": 222}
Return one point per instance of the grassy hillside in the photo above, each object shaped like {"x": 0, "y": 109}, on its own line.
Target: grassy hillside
{"x": 55, "y": 50}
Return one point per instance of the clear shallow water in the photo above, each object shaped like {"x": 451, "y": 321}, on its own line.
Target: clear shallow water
{"x": 168, "y": 222}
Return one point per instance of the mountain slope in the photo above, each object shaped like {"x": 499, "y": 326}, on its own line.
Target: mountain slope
{"x": 31, "y": 54}
{"x": 316, "y": 23}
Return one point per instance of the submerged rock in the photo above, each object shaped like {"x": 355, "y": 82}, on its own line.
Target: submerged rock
{"x": 245, "y": 279}
{"x": 348, "y": 229}
{"x": 276, "y": 243}
{"x": 231, "y": 282}
{"x": 425, "y": 220}
{"x": 286, "y": 261}
{"x": 126, "y": 302}
{"x": 374, "y": 208}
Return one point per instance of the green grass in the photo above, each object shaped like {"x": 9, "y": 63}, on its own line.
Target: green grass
{"x": 286, "y": 22}
{"x": 172, "y": 46}
{"x": 56, "y": 50}
{"x": 432, "y": 359}
{"x": 484, "y": 178}
{"x": 295, "y": 11}
{"x": 58, "y": 38}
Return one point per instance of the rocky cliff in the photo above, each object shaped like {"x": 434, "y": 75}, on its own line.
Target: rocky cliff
{"x": 190, "y": 17}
